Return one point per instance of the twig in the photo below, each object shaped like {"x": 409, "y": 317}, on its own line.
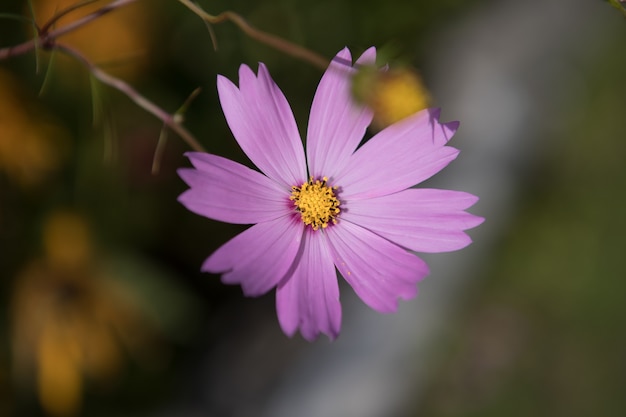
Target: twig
{"x": 83, "y": 21}
{"x": 178, "y": 118}
{"x": 125, "y": 88}
{"x": 274, "y": 41}
{"x": 46, "y": 38}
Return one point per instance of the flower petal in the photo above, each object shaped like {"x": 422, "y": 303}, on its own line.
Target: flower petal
{"x": 422, "y": 220}
{"x": 259, "y": 257}
{"x": 263, "y": 124}
{"x": 309, "y": 298}
{"x": 402, "y": 155}
{"x": 379, "y": 271}
{"x": 336, "y": 123}
{"x": 230, "y": 192}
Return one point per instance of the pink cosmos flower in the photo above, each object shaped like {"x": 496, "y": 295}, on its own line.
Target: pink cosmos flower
{"x": 341, "y": 207}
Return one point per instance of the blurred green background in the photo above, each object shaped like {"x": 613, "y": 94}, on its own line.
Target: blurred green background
{"x": 104, "y": 309}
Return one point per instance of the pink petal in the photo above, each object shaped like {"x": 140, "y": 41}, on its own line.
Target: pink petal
{"x": 230, "y": 192}
{"x": 402, "y": 155}
{"x": 309, "y": 298}
{"x": 379, "y": 271}
{"x": 263, "y": 124}
{"x": 422, "y": 220}
{"x": 336, "y": 123}
{"x": 259, "y": 257}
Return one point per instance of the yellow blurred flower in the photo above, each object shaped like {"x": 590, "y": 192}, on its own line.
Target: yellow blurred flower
{"x": 117, "y": 42}
{"x": 32, "y": 146}
{"x": 69, "y": 320}
{"x": 392, "y": 95}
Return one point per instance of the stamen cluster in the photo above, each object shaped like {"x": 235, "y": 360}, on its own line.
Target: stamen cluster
{"x": 316, "y": 202}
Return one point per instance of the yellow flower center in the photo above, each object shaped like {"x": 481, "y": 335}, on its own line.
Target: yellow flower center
{"x": 316, "y": 202}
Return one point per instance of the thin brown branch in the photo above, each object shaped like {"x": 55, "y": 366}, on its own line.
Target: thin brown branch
{"x": 83, "y": 21}
{"x": 168, "y": 119}
{"x": 64, "y": 12}
{"x": 269, "y": 39}
{"x": 48, "y": 40}
{"x": 45, "y": 38}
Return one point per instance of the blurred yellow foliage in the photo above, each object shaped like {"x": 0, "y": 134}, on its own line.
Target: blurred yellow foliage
{"x": 117, "y": 42}
{"x": 69, "y": 320}
{"x": 392, "y": 95}
{"x": 59, "y": 378}
{"x": 32, "y": 146}
{"x": 67, "y": 241}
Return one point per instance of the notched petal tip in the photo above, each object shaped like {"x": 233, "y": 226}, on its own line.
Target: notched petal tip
{"x": 453, "y": 125}
{"x": 245, "y": 72}
{"x": 468, "y": 198}
{"x": 195, "y": 156}
{"x": 433, "y": 112}
{"x": 183, "y": 173}
{"x": 449, "y": 129}
{"x": 311, "y": 334}
{"x": 475, "y": 221}
{"x": 225, "y": 85}
{"x": 288, "y": 329}
{"x": 368, "y": 57}
{"x": 199, "y": 159}
{"x": 344, "y": 53}
{"x": 182, "y": 199}
{"x": 342, "y": 59}
{"x": 211, "y": 266}
{"x": 263, "y": 70}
